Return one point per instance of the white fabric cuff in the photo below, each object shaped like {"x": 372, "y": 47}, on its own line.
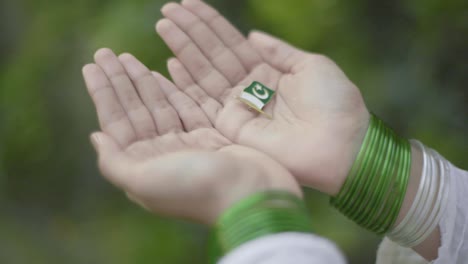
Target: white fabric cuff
{"x": 285, "y": 248}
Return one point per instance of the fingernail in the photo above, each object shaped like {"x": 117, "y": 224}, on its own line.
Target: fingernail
{"x": 171, "y": 60}
{"x": 95, "y": 141}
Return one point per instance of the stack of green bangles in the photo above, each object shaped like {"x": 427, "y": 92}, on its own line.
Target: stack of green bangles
{"x": 371, "y": 196}
{"x": 258, "y": 215}
{"x": 376, "y": 185}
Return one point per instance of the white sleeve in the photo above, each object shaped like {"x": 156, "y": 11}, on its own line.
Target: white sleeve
{"x": 453, "y": 228}
{"x": 286, "y": 248}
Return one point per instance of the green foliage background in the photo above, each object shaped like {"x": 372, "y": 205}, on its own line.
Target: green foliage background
{"x": 409, "y": 58}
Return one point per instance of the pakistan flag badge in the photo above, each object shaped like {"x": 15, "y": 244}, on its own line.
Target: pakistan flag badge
{"x": 256, "y": 96}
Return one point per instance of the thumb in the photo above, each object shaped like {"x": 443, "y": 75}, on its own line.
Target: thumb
{"x": 276, "y": 52}
{"x": 103, "y": 144}
{"x": 112, "y": 162}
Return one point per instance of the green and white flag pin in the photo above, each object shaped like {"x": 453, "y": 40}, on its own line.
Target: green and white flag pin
{"x": 257, "y": 96}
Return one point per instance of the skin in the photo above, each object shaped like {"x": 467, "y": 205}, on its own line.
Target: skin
{"x": 156, "y": 132}
{"x": 316, "y": 107}
{"x": 164, "y": 166}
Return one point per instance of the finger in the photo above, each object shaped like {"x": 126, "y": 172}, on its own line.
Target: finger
{"x": 164, "y": 115}
{"x": 196, "y": 63}
{"x": 138, "y": 114}
{"x": 184, "y": 82}
{"x": 112, "y": 117}
{"x": 221, "y": 57}
{"x": 277, "y": 53}
{"x": 228, "y": 34}
{"x": 113, "y": 163}
{"x": 190, "y": 113}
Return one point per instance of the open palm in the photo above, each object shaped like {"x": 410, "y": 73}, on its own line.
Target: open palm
{"x": 155, "y": 145}
{"x": 319, "y": 117}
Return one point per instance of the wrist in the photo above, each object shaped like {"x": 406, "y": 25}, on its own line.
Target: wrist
{"x": 413, "y": 183}
{"x": 261, "y": 214}
{"x": 347, "y": 157}
{"x": 425, "y": 203}
{"x": 373, "y": 192}
{"x": 407, "y": 203}
{"x": 251, "y": 172}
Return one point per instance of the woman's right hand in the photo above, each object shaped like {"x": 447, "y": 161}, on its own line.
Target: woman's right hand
{"x": 319, "y": 116}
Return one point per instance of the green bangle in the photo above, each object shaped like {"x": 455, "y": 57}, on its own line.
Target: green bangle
{"x": 382, "y": 182}
{"x": 261, "y": 214}
{"x": 376, "y": 185}
{"x": 349, "y": 186}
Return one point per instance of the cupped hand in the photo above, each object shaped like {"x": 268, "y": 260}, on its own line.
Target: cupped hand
{"x": 318, "y": 119}
{"x": 160, "y": 148}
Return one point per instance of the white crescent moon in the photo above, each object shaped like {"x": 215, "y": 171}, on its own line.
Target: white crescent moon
{"x": 260, "y": 96}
